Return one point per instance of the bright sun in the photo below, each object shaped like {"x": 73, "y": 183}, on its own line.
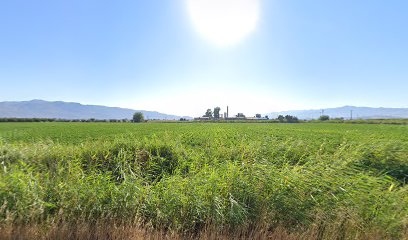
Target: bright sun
{"x": 224, "y": 22}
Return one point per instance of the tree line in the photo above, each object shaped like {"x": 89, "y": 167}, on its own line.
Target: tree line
{"x": 287, "y": 118}
{"x": 216, "y": 115}
{"x": 60, "y": 120}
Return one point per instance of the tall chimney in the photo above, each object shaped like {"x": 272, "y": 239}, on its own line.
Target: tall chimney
{"x": 227, "y": 112}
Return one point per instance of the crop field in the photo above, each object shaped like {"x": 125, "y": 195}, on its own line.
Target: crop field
{"x": 204, "y": 180}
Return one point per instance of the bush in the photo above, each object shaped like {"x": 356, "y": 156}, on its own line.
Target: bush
{"x": 138, "y": 117}
{"x": 324, "y": 118}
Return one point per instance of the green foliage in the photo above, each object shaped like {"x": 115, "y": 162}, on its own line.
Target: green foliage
{"x": 208, "y": 113}
{"x": 217, "y": 112}
{"x": 324, "y": 118}
{"x": 184, "y": 176}
{"x": 138, "y": 117}
{"x": 287, "y": 119}
{"x": 368, "y": 121}
{"x": 291, "y": 119}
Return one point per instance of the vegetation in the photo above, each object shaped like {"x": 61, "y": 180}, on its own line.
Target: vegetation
{"x": 138, "y": 117}
{"x": 60, "y": 120}
{"x": 217, "y": 112}
{"x": 287, "y": 119}
{"x": 208, "y": 113}
{"x": 371, "y": 121}
{"x": 324, "y": 118}
{"x": 240, "y": 115}
{"x": 309, "y": 181}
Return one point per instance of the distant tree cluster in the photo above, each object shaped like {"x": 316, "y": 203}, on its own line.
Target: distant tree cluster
{"x": 213, "y": 114}
{"x": 324, "y": 118}
{"x": 29, "y": 120}
{"x": 138, "y": 117}
{"x": 60, "y": 120}
{"x": 208, "y": 113}
{"x": 217, "y": 112}
{"x": 288, "y": 119}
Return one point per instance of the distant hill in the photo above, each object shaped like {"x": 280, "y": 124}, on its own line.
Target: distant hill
{"x": 71, "y": 110}
{"x": 345, "y": 112}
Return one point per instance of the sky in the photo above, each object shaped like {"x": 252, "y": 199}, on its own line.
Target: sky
{"x": 184, "y": 56}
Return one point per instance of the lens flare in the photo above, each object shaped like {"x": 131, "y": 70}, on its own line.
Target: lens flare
{"x": 224, "y": 22}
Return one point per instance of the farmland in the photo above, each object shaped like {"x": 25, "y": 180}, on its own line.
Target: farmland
{"x": 308, "y": 180}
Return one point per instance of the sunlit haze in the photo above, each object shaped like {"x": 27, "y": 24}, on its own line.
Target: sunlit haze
{"x": 224, "y": 22}
{"x": 184, "y": 56}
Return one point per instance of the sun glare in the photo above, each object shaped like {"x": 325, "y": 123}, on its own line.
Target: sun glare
{"x": 224, "y": 22}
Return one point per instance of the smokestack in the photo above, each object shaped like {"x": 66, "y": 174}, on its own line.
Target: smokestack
{"x": 227, "y": 112}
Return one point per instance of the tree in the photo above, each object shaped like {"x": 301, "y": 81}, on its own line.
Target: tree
{"x": 217, "y": 112}
{"x": 324, "y": 118}
{"x": 208, "y": 113}
{"x": 258, "y": 115}
{"x": 138, "y": 117}
{"x": 291, "y": 119}
{"x": 281, "y": 118}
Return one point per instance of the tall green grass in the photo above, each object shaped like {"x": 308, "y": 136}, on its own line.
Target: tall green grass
{"x": 186, "y": 177}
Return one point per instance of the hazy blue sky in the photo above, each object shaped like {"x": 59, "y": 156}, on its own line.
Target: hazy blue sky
{"x": 160, "y": 54}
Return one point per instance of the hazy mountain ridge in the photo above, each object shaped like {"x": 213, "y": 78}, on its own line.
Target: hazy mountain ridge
{"x": 72, "y": 110}
{"x": 345, "y": 112}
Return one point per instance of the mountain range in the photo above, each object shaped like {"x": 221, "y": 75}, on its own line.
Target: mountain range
{"x": 72, "y": 110}
{"x": 346, "y": 112}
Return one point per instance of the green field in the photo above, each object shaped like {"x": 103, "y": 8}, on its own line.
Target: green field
{"x": 341, "y": 181}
